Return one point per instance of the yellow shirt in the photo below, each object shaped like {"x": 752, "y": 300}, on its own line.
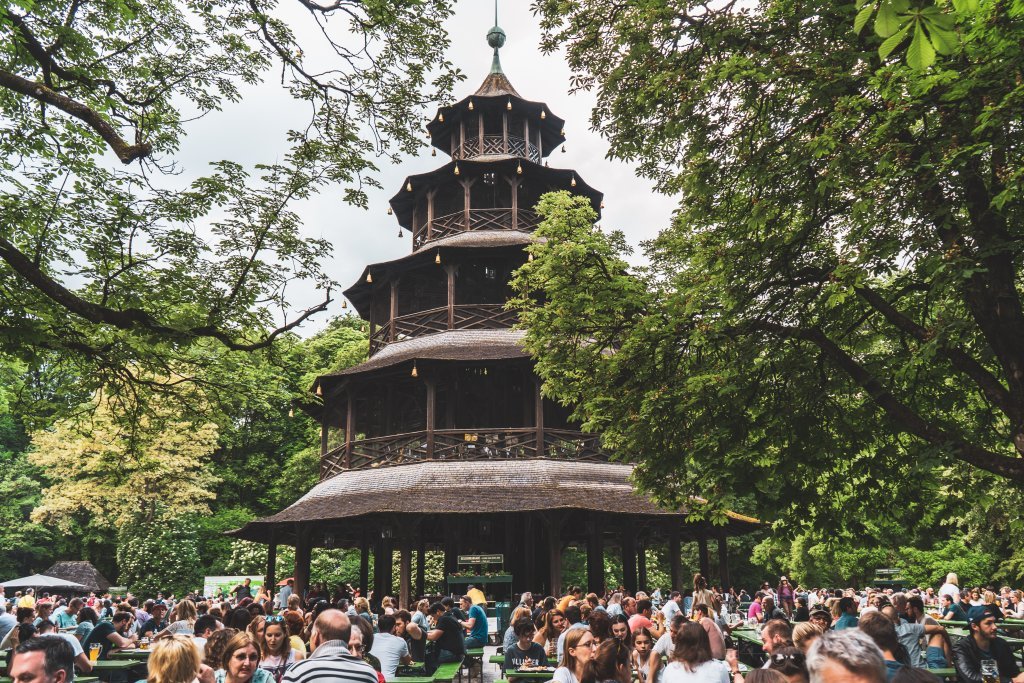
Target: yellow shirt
{"x": 563, "y": 604}
{"x": 27, "y": 601}
{"x": 477, "y": 596}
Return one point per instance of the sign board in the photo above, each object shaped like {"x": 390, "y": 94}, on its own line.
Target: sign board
{"x": 481, "y": 559}
{"x": 227, "y": 583}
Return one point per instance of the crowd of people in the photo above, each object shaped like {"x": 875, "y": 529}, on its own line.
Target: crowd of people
{"x": 252, "y": 636}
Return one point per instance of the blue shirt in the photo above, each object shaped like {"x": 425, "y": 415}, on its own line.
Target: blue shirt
{"x": 845, "y": 620}
{"x": 479, "y": 630}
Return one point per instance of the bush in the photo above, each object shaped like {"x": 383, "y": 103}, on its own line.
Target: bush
{"x": 160, "y": 556}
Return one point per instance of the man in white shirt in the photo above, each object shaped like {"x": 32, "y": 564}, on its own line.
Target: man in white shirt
{"x": 390, "y": 649}
{"x": 672, "y": 606}
{"x": 664, "y": 648}
{"x": 49, "y": 630}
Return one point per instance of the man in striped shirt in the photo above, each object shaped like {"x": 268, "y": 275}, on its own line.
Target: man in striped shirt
{"x": 331, "y": 659}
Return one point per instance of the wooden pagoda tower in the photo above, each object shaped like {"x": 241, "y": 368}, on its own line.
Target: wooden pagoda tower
{"x": 442, "y": 439}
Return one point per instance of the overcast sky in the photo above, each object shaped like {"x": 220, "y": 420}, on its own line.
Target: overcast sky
{"x": 250, "y": 132}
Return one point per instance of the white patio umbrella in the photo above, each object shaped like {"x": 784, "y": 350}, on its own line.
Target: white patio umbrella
{"x": 42, "y": 581}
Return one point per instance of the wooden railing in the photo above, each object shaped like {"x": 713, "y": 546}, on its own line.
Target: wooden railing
{"x": 434, "y": 320}
{"x": 498, "y": 145}
{"x": 523, "y": 220}
{"x": 461, "y": 444}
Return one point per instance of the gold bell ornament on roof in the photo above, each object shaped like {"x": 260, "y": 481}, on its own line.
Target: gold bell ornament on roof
{"x": 456, "y": 169}
{"x": 408, "y": 186}
{"x": 414, "y": 373}
{"x": 563, "y": 149}
{"x": 437, "y": 258}
{"x": 344, "y": 303}
{"x": 519, "y": 169}
{"x": 543, "y": 115}
{"x": 400, "y": 234}
{"x": 573, "y": 182}
{"x": 440, "y": 117}
{"x": 433, "y": 152}
{"x": 471, "y": 105}
{"x": 391, "y": 211}
{"x": 508, "y": 105}
{"x": 369, "y": 278}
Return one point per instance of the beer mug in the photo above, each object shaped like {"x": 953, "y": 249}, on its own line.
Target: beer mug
{"x": 144, "y": 644}
{"x": 94, "y": 652}
{"x": 989, "y": 671}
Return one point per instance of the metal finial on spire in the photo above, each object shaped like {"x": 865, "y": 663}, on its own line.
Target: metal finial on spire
{"x": 496, "y": 39}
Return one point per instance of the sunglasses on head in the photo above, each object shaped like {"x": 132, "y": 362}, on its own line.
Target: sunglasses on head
{"x": 274, "y": 619}
{"x": 795, "y": 657}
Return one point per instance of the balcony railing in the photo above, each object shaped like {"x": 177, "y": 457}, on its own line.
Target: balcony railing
{"x": 434, "y": 320}
{"x": 462, "y": 444}
{"x": 523, "y": 220}
{"x": 493, "y": 145}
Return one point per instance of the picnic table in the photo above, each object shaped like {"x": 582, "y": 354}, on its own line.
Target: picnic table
{"x": 129, "y": 653}
{"x": 114, "y": 670}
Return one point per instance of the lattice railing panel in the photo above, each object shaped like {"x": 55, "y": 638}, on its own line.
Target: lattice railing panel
{"x": 495, "y": 145}
{"x": 484, "y": 317}
{"x": 421, "y": 323}
{"x": 463, "y": 444}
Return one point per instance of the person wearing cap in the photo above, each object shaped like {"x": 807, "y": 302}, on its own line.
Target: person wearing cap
{"x": 982, "y": 644}
{"x": 822, "y": 618}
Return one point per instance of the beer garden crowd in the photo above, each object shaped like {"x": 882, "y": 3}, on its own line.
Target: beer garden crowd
{"x": 784, "y": 634}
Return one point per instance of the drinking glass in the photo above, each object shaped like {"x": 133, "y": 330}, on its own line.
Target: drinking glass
{"x": 94, "y": 652}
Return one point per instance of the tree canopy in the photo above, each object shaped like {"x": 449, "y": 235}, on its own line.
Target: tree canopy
{"x": 836, "y": 302}
{"x": 108, "y": 264}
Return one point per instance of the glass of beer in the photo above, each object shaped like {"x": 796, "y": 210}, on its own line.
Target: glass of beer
{"x": 94, "y": 652}
{"x": 144, "y": 644}
{"x": 989, "y": 671}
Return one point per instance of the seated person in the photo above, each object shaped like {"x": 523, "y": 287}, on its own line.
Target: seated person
{"x": 952, "y": 611}
{"x": 112, "y": 634}
{"x": 982, "y": 644}
{"x": 524, "y": 652}
{"x": 446, "y": 636}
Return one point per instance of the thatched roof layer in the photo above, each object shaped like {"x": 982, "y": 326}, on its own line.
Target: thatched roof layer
{"x": 80, "y": 572}
{"x": 497, "y": 486}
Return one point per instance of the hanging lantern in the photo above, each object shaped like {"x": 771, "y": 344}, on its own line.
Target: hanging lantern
{"x": 319, "y": 390}
{"x": 471, "y": 105}
{"x": 433, "y": 152}
{"x": 391, "y": 211}
{"x": 563, "y": 149}
{"x": 291, "y": 412}
{"x": 519, "y": 169}
{"x": 344, "y": 303}
{"x": 408, "y": 186}
{"x": 369, "y": 278}
{"x": 546, "y": 164}
{"x": 440, "y": 117}
{"x": 530, "y": 257}
{"x": 437, "y": 258}
{"x": 414, "y": 372}
{"x": 573, "y": 182}
{"x": 456, "y": 169}
{"x": 563, "y": 132}
{"x": 602, "y": 205}
{"x": 509, "y": 105}
{"x": 543, "y": 114}
{"x": 400, "y": 233}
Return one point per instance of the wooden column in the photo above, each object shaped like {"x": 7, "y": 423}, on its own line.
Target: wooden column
{"x": 553, "y": 522}
{"x": 364, "y": 563}
{"x": 431, "y": 417}
{"x": 595, "y": 558}
{"x": 705, "y": 563}
{"x": 430, "y": 213}
{"x": 421, "y": 570}
{"x": 529, "y": 552}
{"x": 382, "y": 567}
{"x": 394, "y": 309}
{"x": 303, "y": 549}
{"x": 674, "y": 562}
{"x": 641, "y": 566}
{"x": 514, "y": 182}
{"x": 480, "y": 120}
{"x": 349, "y": 427}
{"x": 526, "y": 136}
{"x": 723, "y": 560}
{"x": 450, "y": 270}
{"x": 467, "y": 205}
{"x": 629, "y": 560}
{"x": 324, "y": 427}
{"x": 504, "y": 129}
{"x": 405, "y": 571}
{"x": 462, "y": 138}
{"x": 451, "y": 548}
{"x": 271, "y": 575}
{"x": 538, "y": 417}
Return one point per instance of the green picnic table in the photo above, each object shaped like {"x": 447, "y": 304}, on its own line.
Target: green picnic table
{"x": 532, "y": 675}
{"x": 747, "y": 635}
{"x": 131, "y": 653}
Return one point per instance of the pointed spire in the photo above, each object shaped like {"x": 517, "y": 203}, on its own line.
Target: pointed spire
{"x": 496, "y": 39}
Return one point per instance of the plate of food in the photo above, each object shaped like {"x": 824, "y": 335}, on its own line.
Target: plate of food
{"x": 535, "y": 668}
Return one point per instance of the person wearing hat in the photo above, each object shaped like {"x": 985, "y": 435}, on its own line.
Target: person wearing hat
{"x": 785, "y": 595}
{"x": 982, "y": 644}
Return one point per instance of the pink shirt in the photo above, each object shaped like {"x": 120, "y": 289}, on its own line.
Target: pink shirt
{"x": 754, "y": 611}
{"x": 639, "y": 621}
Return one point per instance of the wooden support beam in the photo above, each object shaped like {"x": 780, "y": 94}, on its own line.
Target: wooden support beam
{"x": 303, "y": 551}
{"x": 421, "y": 569}
{"x": 723, "y": 560}
{"x": 450, "y": 271}
{"x": 641, "y": 566}
{"x": 553, "y": 522}
{"x": 364, "y": 562}
{"x": 431, "y": 410}
{"x": 405, "y": 572}
{"x": 270, "y": 577}
{"x": 674, "y": 561}
{"x": 628, "y": 544}
{"x": 595, "y": 557}
{"x": 705, "y": 562}
{"x": 538, "y": 417}
{"x": 350, "y": 425}
{"x": 394, "y": 309}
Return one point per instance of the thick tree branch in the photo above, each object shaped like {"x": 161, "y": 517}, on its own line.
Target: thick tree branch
{"x": 994, "y": 391}
{"x": 134, "y": 318}
{"x": 125, "y": 152}
{"x": 902, "y": 415}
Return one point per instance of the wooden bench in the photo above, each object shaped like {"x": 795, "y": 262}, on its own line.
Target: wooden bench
{"x": 447, "y": 672}
{"x": 474, "y": 656}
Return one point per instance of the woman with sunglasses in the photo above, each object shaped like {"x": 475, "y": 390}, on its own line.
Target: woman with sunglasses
{"x": 579, "y": 649}
{"x": 278, "y": 653}
{"x": 240, "y": 662}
